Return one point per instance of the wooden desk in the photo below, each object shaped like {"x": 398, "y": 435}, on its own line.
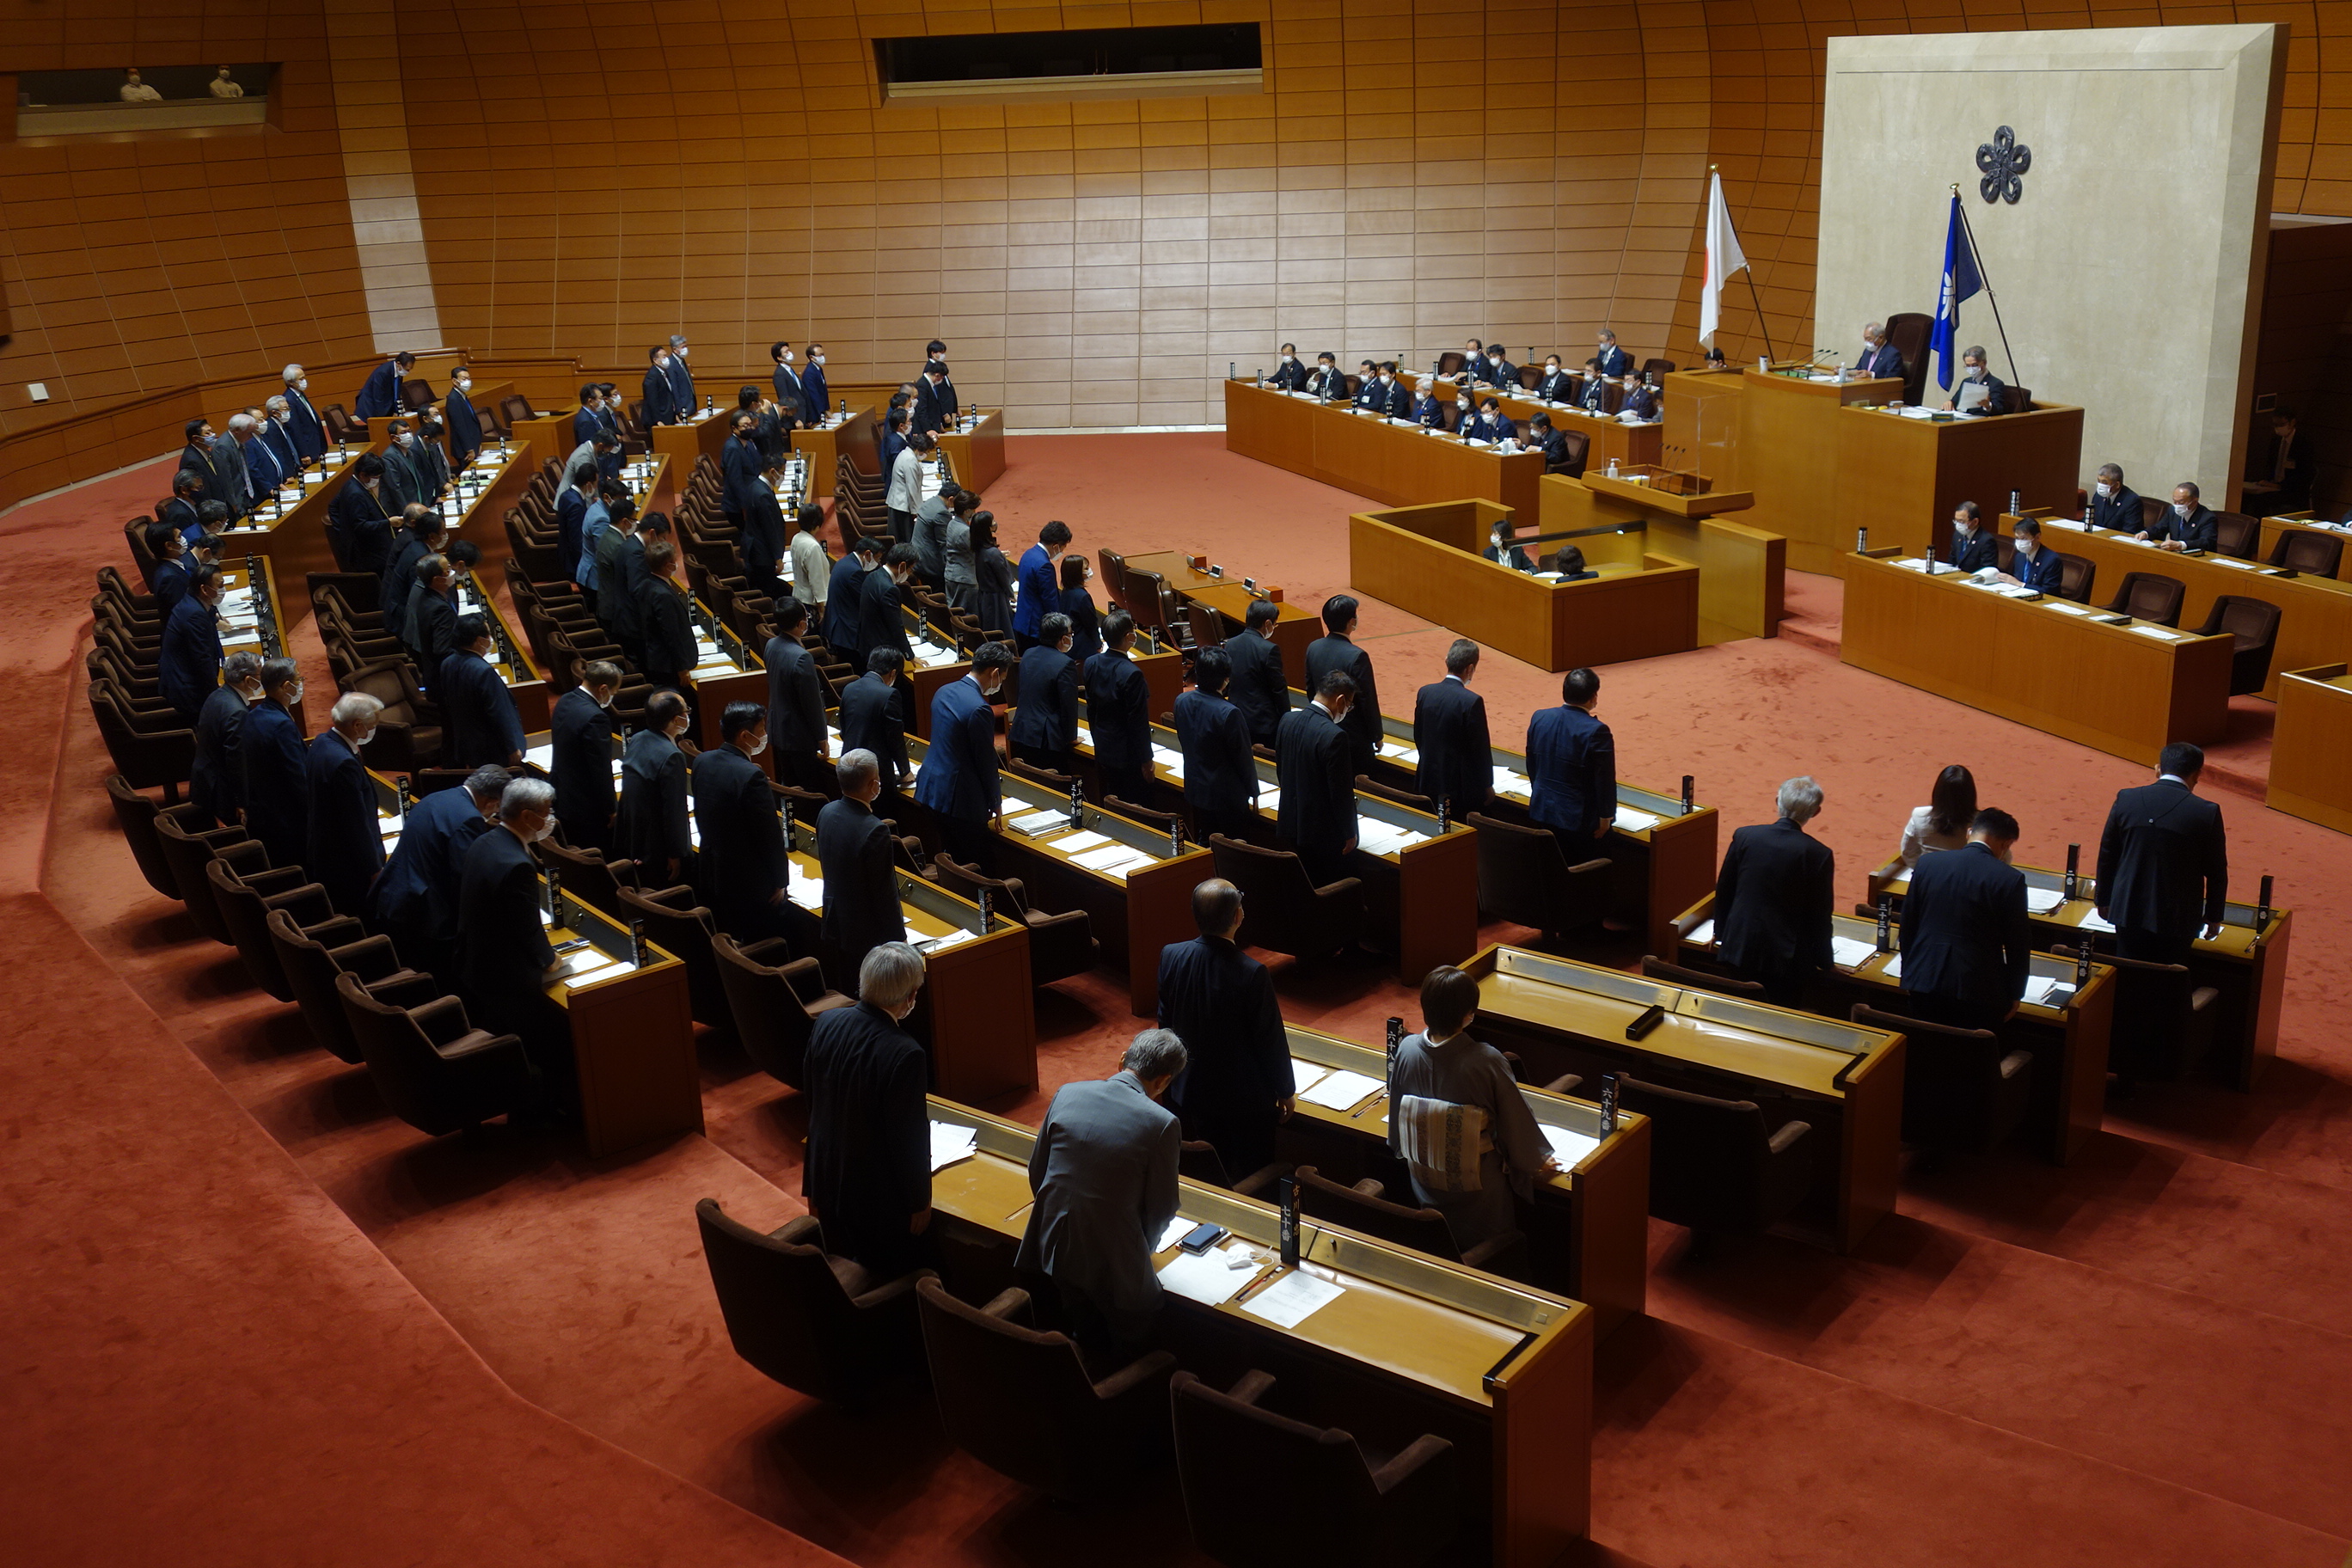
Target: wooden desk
{"x": 975, "y": 453}
{"x": 1902, "y": 478}
{"x": 547, "y": 437}
{"x": 2246, "y": 962}
{"x": 1586, "y": 1228}
{"x": 2068, "y": 1035}
{"x": 290, "y": 528}
{"x": 1416, "y": 559}
{"x": 1846, "y": 1081}
{"x": 2311, "y": 747}
{"x": 2048, "y": 663}
{"x": 1396, "y": 464}
{"x": 1740, "y": 569}
{"x": 725, "y": 670}
{"x": 857, "y": 435}
{"x": 685, "y": 445}
{"x": 1229, "y": 599}
{"x": 1608, "y": 438}
{"x": 1412, "y": 1345}
{"x": 2274, "y": 528}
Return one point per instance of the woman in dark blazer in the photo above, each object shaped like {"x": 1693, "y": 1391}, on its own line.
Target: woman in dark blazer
{"x": 1085, "y": 622}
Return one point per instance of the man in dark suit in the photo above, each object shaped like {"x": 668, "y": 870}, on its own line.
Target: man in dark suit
{"x": 1774, "y": 896}
{"x": 343, "y": 845}
{"x": 796, "y": 703}
{"x": 277, "y": 794}
{"x": 175, "y": 567}
{"x": 861, "y": 877}
{"x": 2114, "y": 504}
{"x": 664, "y": 620}
{"x": 1428, "y": 409}
{"x": 1236, "y": 1087}
{"x": 1449, "y": 731}
{"x": 1494, "y": 425}
{"x": 1118, "y": 714}
{"x": 1220, "y": 770}
{"x": 2164, "y": 862}
{"x": 1594, "y": 398}
{"x": 1335, "y": 652}
{"x": 307, "y": 430}
{"x": 429, "y": 621}
{"x": 380, "y": 394}
{"x": 1045, "y": 710}
{"x": 479, "y": 723}
{"x": 764, "y": 543}
{"x": 1557, "y": 384}
{"x": 1971, "y": 546}
{"x": 1542, "y": 437}
{"x": 1967, "y": 943}
{"x": 867, "y": 1174}
{"x": 2189, "y": 525}
{"x": 873, "y": 716}
{"x": 958, "y": 780}
{"x": 790, "y": 403}
{"x": 464, "y": 423}
{"x": 1979, "y": 391}
{"x": 1879, "y": 357}
{"x": 359, "y": 519}
{"x": 505, "y": 960}
{"x": 739, "y": 467}
{"x": 1394, "y": 399}
{"x": 1639, "y": 398}
{"x": 812, "y": 387}
{"x": 405, "y": 474}
{"x": 742, "y": 862}
{"x": 844, "y": 600}
{"x": 681, "y": 379}
{"x": 935, "y": 408}
{"x": 1497, "y": 370}
{"x": 423, "y": 533}
{"x": 180, "y": 511}
{"x": 1289, "y": 375}
{"x": 1314, "y": 769}
{"x": 1260, "y": 689}
{"x": 655, "y": 827}
{"x": 935, "y": 357}
{"x": 1572, "y": 773}
{"x": 660, "y": 392}
{"x": 197, "y": 458}
{"x": 414, "y": 899}
{"x": 1325, "y": 380}
{"x": 1369, "y": 396}
{"x": 581, "y": 732}
{"x": 1613, "y": 361}
{"x": 881, "y": 619}
{"x": 2034, "y": 565}
{"x": 265, "y": 469}
{"x": 188, "y": 662}
{"x": 1040, "y": 581}
{"x": 215, "y": 778}
{"x": 588, "y": 420}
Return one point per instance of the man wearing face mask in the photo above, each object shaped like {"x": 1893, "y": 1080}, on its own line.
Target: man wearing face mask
{"x": 269, "y": 751}
{"x": 935, "y": 404}
{"x": 1597, "y": 385}
{"x": 216, "y": 778}
{"x": 959, "y": 776}
{"x": 867, "y": 1177}
{"x": 652, "y": 825}
{"x": 381, "y": 393}
{"x": 1640, "y": 401}
{"x": 1314, "y": 766}
{"x": 479, "y": 721}
{"x": 1971, "y": 547}
{"x": 1428, "y": 407}
{"x": 507, "y": 963}
{"x": 681, "y": 378}
{"x": 359, "y": 519}
{"x": 742, "y": 864}
{"x": 1615, "y": 360}
{"x": 278, "y": 435}
{"x": 405, "y": 480}
{"x": 196, "y": 460}
{"x": 1289, "y": 375}
{"x": 307, "y": 430}
{"x": 465, "y": 424}
{"x": 1500, "y": 372}
{"x": 1557, "y": 385}
{"x": 429, "y": 627}
{"x": 1393, "y": 399}
{"x": 1368, "y": 394}
{"x": 422, "y": 531}
{"x": 1879, "y": 357}
{"x": 2033, "y": 565}
{"x": 581, "y": 732}
{"x": 661, "y": 392}
{"x": 1326, "y": 381}
{"x": 935, "y": 357}
{"x": 665, "y": 621}
{"x": 789, "y": 401}
{"x": 812, "y": 388}
{"x": 1979, "y": 390}
{"x": 1542, "y": 437}
{"x": 2189, "y": 525}
{"x": 343, "y": 848}
{"x": 414, "y": 899}
{"x": 2114, "y": 504}
{"x": 188, "y": 662}
{"x": 1494, "y": 425}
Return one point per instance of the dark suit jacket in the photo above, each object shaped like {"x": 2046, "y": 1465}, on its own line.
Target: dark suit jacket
{"x": 738, "y": 470}
{"x": 418, "y": 886}
{"x": 1977, "y": 553}
{"x": 343, "y": 848}
{"x": 571, "y": 511}
{"x": 581, "y": 735}
{"x": 932, "y": 410}
{"x": 1571, "y": 771}
{"x": 1220, "y": 1002}
{"x": 380, "y": 394}
{"x": 216, "y": 778}
{"x": 843, "y": 604}
{"x": 2164, "y": 861}
{"x": 504, "y": 949}
{"x": 814, "y": 392}
{"x": 404, "y": 478}
{"x": 870, "y": 721}
{"x": 1774, "y": 898}
{"x": 1313, "y": 768}
{"x": 1291, "y": 377}
{"x": 1104, "y": 1172}
{"x": 796, "y": 697}
{"x": 861, "y": 881}
{"x": 667, "y": 626}
{"x": 477, "y": 712}
{"x": 399, "y": 580}
{"x": 1428, "y": 412}
{"x": 1965, "y": 934}
{"x": 188, "y": 662}
{"x": 169, "y": 583}
{"x": 277, "y": 782}
{"x": 2200, "y": 530}
{"x": 1517, "y": 562}
{"x": 1259, "y": 688}
{"x": 2120, "y": 512}
{"x": 661, "y": 397}
{"x": 1119, "y": 713}
{"x": 959, "y": 773}
{"x": 1504, "y": 376}
{"x": 1557, "y": 386}
{"x": 742, "y": 860}
{"x": 198, "y": 460}
{"x": 652, "y": 826}
{"x": 1996, "y": 393}
{"x": 183, "y": 516}
{"x": 1220, "y": 771}
{"x": 764, "y": 533}
{"x": 1882, "y": 361}
{"x": 435, "y": 620}
{"x": 465, "y": 427}
{"x": 880, "y": 620}
{"x": 265, "y": 469}
{"x": 1046, "y": 715}
{"x": 789, "y": 401}
{"x": 1641, "y": 403}
{"x": 310, "y": 431}
{"x": 360, "y": 527}
{"x": 2042, "y": 574}
{"x": 868, "y": 1167}
{"x": 1449, "y": 731}
{"x": 1616, "y": 362}
{"x": 1362, "y": 725}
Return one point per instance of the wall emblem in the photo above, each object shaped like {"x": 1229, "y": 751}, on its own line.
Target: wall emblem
{"x": 2003, "y": 162}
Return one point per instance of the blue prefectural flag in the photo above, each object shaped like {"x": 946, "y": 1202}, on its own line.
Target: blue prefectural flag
{"x": 1960, "y": 281}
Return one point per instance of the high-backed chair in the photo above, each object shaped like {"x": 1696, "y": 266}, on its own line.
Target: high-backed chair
{"x": 675, "y": 923}
{"x": 820, "y": 1325}
{"x": 2075, "y": 576}
{"x": 1576, "y": 447}
{"x": 2017, "y": 400}
{"x": 1365, "y": 1207}
{"x": 2150, "y": 596}
{"x": 1910, "y": 332}
{"x": 1022, "y": 1402}
{"x": 2236, "y": 534}
{"x": 148, "y": 755}
{"x": 1655, "y": 968}
{"x": 245, "y": 909}
{"x": 188, "y": 851}
{"x": 313, "y": 959}
{"x": 2317, "y": 555}
{"x": 1060, "y": 945}
{"x": 2163, "y": 1023}
{"x": 1962, "y": 1093}
{"x": 774, "y": 1003}
{"x": 1114, "y": 576}
{"x": 1524, "y": 877}
{"x": 415, "y": 393}
{"x": 514, "y": 407}
{"x": 587, "y": 876}
{"x": 408, "y": 730}
{"x": 136, "y": 814}
{"x": 1262, "y": 1490}
{"x": 1201, "y": 1162}
{"x": 1655, "y": 371}
{"x": 1058, "y": 782}
{"x": 1713, "y": 1166}
{"x": 1449, "y": 364}
{"x": 341, "y": 428}
{"x": 2151, "y": 512}
{"x": 438, "y": 1073}
{"x": 2254, "y": 628}
{"x": 1286, "y": 912}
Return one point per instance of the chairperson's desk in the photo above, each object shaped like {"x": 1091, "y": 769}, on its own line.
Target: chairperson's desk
{"x": 1394, "y": 463}
{"x": 2311, "y": 747}
{"x": 1412, "y": 1344}
{"x": 2048, "y": 662}
{"x": 1845, "y": 1081}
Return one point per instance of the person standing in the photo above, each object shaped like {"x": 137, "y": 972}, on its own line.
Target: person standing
{"x": 1039, "y": 582}
{"x": 1236, "y": 1089}
{"x": 464, "y": 423}
{"x": 905, "y": 490}
{"x": 873, "y": 716}
{"x": 504, "y": 960}
{"x": 796, "y": 703}
{"x": 854, "y": 850}
{"x": 1968, "y": 941}
{"x": 1457, "y": 1118}
{"x": 959, "y": 776}
{"x": 380, "y": 394}
{"x": 867, "y": 1176}
{"x": 656, "y": 828}
{"x": 1118, "y": 715}
{"x": 1774, "y": 899}
{"x": 477, "y": 709}
{"x": 1449, "y": 731}
{"x": 215, "y": 778}
{"x": 2164, "y": 862}
{"x": 812, "y": 568}
{"x": 1260, "y": 689}
{"x": 269, "y": 749}
{"x": 1335, "y": 650}
{"x": 1044, "y": 725}
{"x": 342, "y": 843}
{"x": 664, "y": 620}
{"x": 881, "y": 606}
{"x": 1220, "y": 770}
{"x": 844, "y": 596}
{"x": 930, "y": 535}
{"x": 1317, "y": 812}
{"x": 581, "y": 737}
{"x": 414, "y": 899}
{"x": 742, "y": 860}
{"x": 991, "y": 603}
{"x": 1572, "y": 769}
{"x": 309, "y": 432}
{"x": 188, "y": 661}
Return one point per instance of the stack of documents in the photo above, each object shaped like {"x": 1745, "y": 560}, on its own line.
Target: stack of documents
{"x": 1038, "y": 822}
{"x": 1076, "y": 844}
{"x": 1386, "y": 839}
{"x": 1172, "y": 761}
{"x": 1894, "y": 967}
{"x": 1569, "y": 1147}
{"x": 1306, "y": 1075}
{"x": 950, "y": 1144}
{"x": 806, "y": 890}
{"x": 1114, "y": 859}
{"x": 1850, "y": 952}
{"x": 2043, "y": 991}
{"x": 1510, "y": 781}
{"x": 1293, "y": 1298}
{"x": 2161, "y": 634}
{"x": 1398, "y": 752}
{"x": 1702, "y": 933}
{"x": 2042, "y": 901}
{"x": 2091, "y": 921}
{"x": 591, "y": 964}
{"x": 1340, "y": 1090}
{"x": 1210, "y": 1278}
{"x": 1634, "y": 821}
{"x": 1268, "y": 797}
{"x": 941, "y": 943}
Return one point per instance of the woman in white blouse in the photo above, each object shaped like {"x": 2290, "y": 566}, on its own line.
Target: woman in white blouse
{"x": 1943, "y": 823}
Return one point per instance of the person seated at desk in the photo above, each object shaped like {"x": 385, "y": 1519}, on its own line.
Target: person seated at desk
{"x": 1494, "y": 425}
{"x": 1046, "y": 715}
{"x": 1981, "y": 390}
{"x": 856, "y": 854}
{"x": 1640, "y": 401}
{"x": 1327, "y": 383}
{"x": 1289, "y": 375}
{"x": 2033, "y": 565}
{"x": 1449, "y": 731}
{"x": 1610, "y": 359}
{"x": 1236, "y": 1088}
{"x": 867, "y": 1176}
{"x": 1715, "y": 360}
{"x": 133, "y": 90}
{"x": 2113, "y": 504}
{"x": 1428, "y": 409}
{"x": 1558, "y": 385}
{"x": 1968, "y": 941}
{"x": 1503, "y": 552}
{"x": 1497, "y": 372}
{"x": 1879, "y": 357}
{"x": 654, "y": 827}
{"x": 1943, "y": 822}
{"x": 1368, "y": 394}
{"x": 1774, "y": 899}
{"x": 1395, "y": 397}
{"x": 1542, "y": 437}
{"x": 1457, "y": 1118}
{"x": 2188, "y": 526}
{"x": 1971, "y": 547}
{"x": 1103, "y": 1174}
{"x": 414, "y": 899}
{"x": 1594, "y": 399}
{"x": 506, "y": 962}
{"x": 1220, "y": 770}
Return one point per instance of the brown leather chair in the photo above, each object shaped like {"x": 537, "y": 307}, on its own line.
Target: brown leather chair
{"x": 312, "y": 959}
{"x": 678, "y": 924}
{"x": 1655, "y": 370}
{"x": 820, "y": 1325}
{"x": 247, "y": 902}
{"x": 189, "y": 850}
{"x": 774, "y": 1003}
{"x": 1022, "y": 1402}
{"x": 1208, "y": 628}
{"x": 1262, "y": 1490}
{"x": 136, "y": 814}
{"x": 1910, "y": 332}
{"x": 1962, "y": 1094}
{"x": 2075, "y": 576}
{"x": 2254, "y": 628}
{"x": 415, "y": 393}
{"x": 1285, "y": 911}
{"x": 1060, "y": 945}
{"x": 1201, "y": 1162}
{"x": 148, "y": 755}
{"x": 1713, "y": 1166}
{"x": 1114, "y": 576}
{"x": 1365, "y": 784}
{"x": 2298, "y": 549}
{"x": 1524, "y": 877}
{"x": 588, "y": 877}
{"x": 2017, "y": 400}
{"x": 1449, "y": 364}
{"x": 437, "y": 1072}
{"x": 513, "y": 409}
{"x": 1118, "y": 807}
{"x": 2236, "y": 534}
{"x": 408, "y": 730}
{"x": 1577, "y": 448}
{"x": 2151, "y": 510}
{"x": 1058, "y": 782}
{"x": 2164, "y": 1022}
{"x": 1365, "y": 1208}
{"x": 341, "y": 428}
{"x": 2150, "y": 596}
{"x": 1655, "y": 968}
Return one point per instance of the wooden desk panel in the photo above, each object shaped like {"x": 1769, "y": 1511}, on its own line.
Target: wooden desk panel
{"x": 632, "y": 1040}
{"x": 1902, "y": 478}
{"x": 685, "y": 445}
{"x": 294, "y": 539}
{"x": 1788, "y": 458}
{"x": 857, "y": 435}
{"x": 1396, "y": 464}
{"x": 2275, "y": 528}
{"x": 2311, "y": 747}
{"x": 1296, "y": 625}
{"x": 1608, "y": 438}
{"x": 547, "y": 438}
{"x": 2101, "y": 685}
{"x": 1741, "y": 569}
{"x": 976, "y": 453}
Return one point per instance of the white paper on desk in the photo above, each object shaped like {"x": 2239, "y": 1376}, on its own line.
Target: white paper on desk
{"x": 545, "y": 919}
{"x": 2064, "y": 608}
{"x": 1268, "y": 797}
{"x": 1203, "y": 1278}
{"x": 2048, "y": 991}
{"x": 705, "y": 645}
{"x": 1177, "y": 1229}
{"x": 541, "y": 758}
{"x": 1342, "y": 1090}
{"x": 1634, "y": 821}
{"x": 1569, "y": 1147}
{"x": 937, "y": 660}
{"x": 2091, "y": 921}
{"x": 2159, "y": 633}
{"x": 1702, "y": 933}
{"x": 955, "y": 937}
{"x": 1080, "y": 842}
{"x": 1894, "y": 967}
{"x": 604, "y": 969}
{"x": 950, "y": 1144}
{"x": 721, "y": 668}
{"x": 1293, "y": 1298}
{"x": 1510, "y": 781}
{"x": 1112, "y": 859}
{"x": 2042, "y": 901}
{"x": 389, "y": 827}
{"x": 1306, "y": 1075}
{"x": 1038, "y": 822}
{"x": 2233, "y": 560}
{"x": 1379, "y": 839}
{"x": 1915, "y": 413}
{"x": 1912, "y": 564}
{"x": 1850, "y": 952}
{"x": 806, "y": 890}
{"x": 1550, "y": 576}
{"x": 1397, "y": 753}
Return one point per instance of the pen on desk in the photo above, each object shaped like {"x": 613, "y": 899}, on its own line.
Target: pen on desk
{"x": 1264, "y": 1276}
{"x": 1357, "y": 1113}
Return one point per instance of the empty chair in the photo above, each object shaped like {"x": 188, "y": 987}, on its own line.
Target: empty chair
{"x": 1059, "y": 945}
{"x": 513, "y": 409}
{"x": 2300, "y": 550}
{"x": 1910, "y": 332}
{"x": 247, "y": 903}
{"x": 1262, "y": 1490}
{"x": 136, "y": 815}
{"x": 1286, "y": 911}
{"x": 2075, "y": 576}
{"x": 1713, "y": 1166}
{"x": 1201, "y": 1162}
{"x": 2150, "y": 596}
{"x": 408, "y": 730}
{"x": 1962, "y": 1093}
{"x": 818, "y": 1324}
{"x": 1114, "y": 576}
{"x": 1449, "y": 364}
{"x": 1145, "y": 814}
{"x": 189, "y": 850}
{"x": 1379, "y": 791}
{"x": 1208, "y": 628}
{"x": 1021, "y": 1402}
{"x": 586, "y": 876}
{"x": 1524, "y": 877}
{"x": 774, "y": 1003}
{"x": 1655, "y": 968}
{"x": 2254, "y": 627}
{"x": 415, "y": 393}
{"x": 1655, "y": 371}
{"x": 148, "y": 754}
{"x": 2235, "y": 533}
{"x": 346, "y": 430}
{"x": 313, "y": 959}
{"x": 1366, "y": 1208}
{"x": 677, "y": 924}
{"x": 2163, "y": 1023}
{"x": 2019, "y": 401}
{"x": 438, "y": 1073}
{"x": 1060, "y": 782}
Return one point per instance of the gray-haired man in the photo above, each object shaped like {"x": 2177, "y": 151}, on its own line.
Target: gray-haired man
{"x": 867, "y": 1177}
{"x": 1774, "y": 898}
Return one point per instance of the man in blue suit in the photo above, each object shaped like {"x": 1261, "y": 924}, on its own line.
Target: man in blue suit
{"x": 1118, "y": 714}
{"x": 957, "y": 778}
{"x": 844, "y": 596}
{"x": 1573, "y": 772}
{"x": 478, "y": 720}
{"x": 1039, "y": 582}
{"x": 934, "y": 405}
{"x": 1045, "y": 711}
{"x": 2164, "y": 862}
{"x": 278, "y": 435}
{"x": 180, "y": 511}
{"x": 188, "y": 665}
{"x": 660, "y": 392}
{"x": 1971, "y": 547}
{"x": 465, "y": 424}
{"x": 812, "y": 388}
{"x": 380, "y": 394}
{"x": 1615, "y": 360}
{"x": 2035, "y": 564}
{"x": 414, "y": 899}
{"x": 264, "y": 471}
{"x": 787, "y": 382}
{"x": 1494, "y": 425}
{"x": 2189, "y": 525}
{"x": 343, "y": 848}
{"x": 1395, "y": 399}
{"x": 681, "y": 380}
{"x": 1967, "y": 943}
{"x": 1449, "y": 731}
{"x": 590, "y": 419}
{"x": 269, "y": 753}
{"x": 1220, "y": 770}
{"x": 1879, "y": 357}
{"x": 308, "y": 431}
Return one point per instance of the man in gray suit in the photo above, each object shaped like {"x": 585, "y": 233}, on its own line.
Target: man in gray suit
{"x": 1104, "y": 1173}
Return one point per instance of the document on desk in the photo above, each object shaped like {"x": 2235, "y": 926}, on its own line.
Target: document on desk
{"x": 1268, "y": 797}
{"x": 942, "y": 943}
{"x": 1076, "y": 844}
{"x": 1041, "y": 822}
{"x": 2161, "y": 634}
{"x": 806, "y": 890}
{"x": 1113, "y": 859}
{"x": 541, "y": 757}
{"x": 1912, "y": 564}
{"x": 2042, "y": 901}
{"x": 1510, "y": 781}
{"x": 2091, "y": 921}
{"x": 1397, "y": 751}
{"x": 2234, "y": 561}
{"x": 2063, "y": 608}
{"x": 1893, "y": 970}
{"x": 1634, "y": 821}
{"x": 1569, "y": 1147}
{"x": 1702, "y": 933}
{"x": 1850, "y": 952}
{"x": 1380, "y": 838}
{"x": 1306, "y": 1075}
{"x": 2047, "y": 991}
{"x": 1293, "y": 1298}
{"x": 1206, "y": 1279}
{"x": 1342, "y": 1090}
{"x": 950, "y": 1144}
{"x": 1172, "y": 761}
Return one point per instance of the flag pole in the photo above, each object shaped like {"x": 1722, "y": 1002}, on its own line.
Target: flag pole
{"x": 1994, "y": 299}
{"x": 1765, "y": 331}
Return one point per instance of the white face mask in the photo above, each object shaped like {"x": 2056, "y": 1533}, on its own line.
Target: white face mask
{"x": 753, "y": 748}
{"x": 1386, "y": 378}
{"x": 662, "y": 363}
{"x": 1464, "y": 407}
{"x": 464, "y": 381}
{"x": 605, "y": 701}
{"x": 816, "y": 359}
{"x": 363, "y": 739}
{"x": 1495, "y": 358}
{"x": 788, "y": 357}
{"x": 2180, "y": 508}
{"x": 293, "y": 693}
{"x": 1290, "y": 359}
{"x": 303, "y": 384}
{"x": 2104, "y": 488}
{"x": 546, "y": 827}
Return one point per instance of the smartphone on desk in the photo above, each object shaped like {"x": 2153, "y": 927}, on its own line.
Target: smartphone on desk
{"x": 1202, "y": 1237}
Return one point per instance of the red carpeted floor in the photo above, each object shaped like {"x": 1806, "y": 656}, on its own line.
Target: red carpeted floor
{"x": 2144, "y": 1357}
